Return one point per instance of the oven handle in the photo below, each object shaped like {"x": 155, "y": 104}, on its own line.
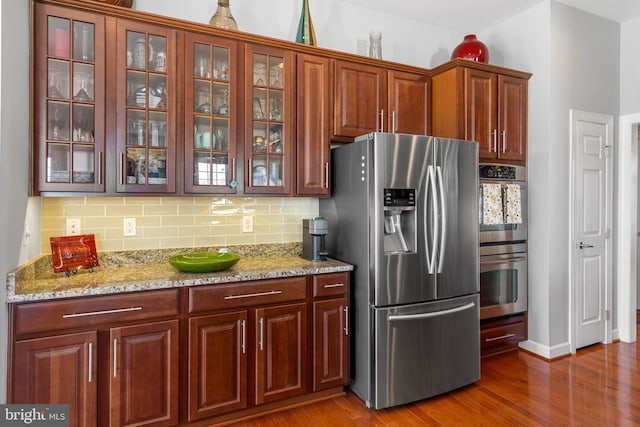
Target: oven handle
{"x": 503, "y": 261}
{"x": 393, "y": 317}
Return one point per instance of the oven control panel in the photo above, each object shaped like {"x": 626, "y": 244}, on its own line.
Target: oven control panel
{"x": 498, "y": 172}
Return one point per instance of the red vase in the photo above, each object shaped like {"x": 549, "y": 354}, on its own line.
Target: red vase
{"x": 471, "y": 48}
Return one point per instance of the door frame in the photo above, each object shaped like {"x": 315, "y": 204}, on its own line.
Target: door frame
{"x": 627, "y": 226}
{"x": 607, "y": 120}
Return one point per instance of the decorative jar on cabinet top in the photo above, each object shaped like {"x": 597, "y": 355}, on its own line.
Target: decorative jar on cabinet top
{"x": 471, "y": 48}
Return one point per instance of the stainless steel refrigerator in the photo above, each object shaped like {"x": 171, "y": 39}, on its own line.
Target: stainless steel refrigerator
{"x": 404, "y": 211}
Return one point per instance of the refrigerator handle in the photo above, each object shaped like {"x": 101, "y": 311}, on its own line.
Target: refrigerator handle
{"x": 393, "y": 317}
{"x": 430, "y": 246}
{"x": 443, "y": 219}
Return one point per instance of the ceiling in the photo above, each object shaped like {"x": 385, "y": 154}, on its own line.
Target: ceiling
{"x": 476, "y": 15}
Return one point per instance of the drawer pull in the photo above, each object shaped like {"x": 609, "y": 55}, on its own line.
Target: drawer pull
{"x": 90, "y": 362}
{"x": 115, "y": 358}
{"x": 500, "y": 337}
{"x": 244, "y": 337}
{"x": 96, "y": 313}
{"x": 258, "y": 294}
{"x": 334, "y": 285}
{"x": 261, "y": 333}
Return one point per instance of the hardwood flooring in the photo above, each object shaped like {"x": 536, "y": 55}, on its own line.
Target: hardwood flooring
{"x": 599, "y": 386}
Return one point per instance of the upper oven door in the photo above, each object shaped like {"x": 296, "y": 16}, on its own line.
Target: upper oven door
{"x": 505, "y": 232}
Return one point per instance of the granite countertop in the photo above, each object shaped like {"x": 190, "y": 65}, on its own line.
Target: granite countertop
{"x": 146, "y": 270}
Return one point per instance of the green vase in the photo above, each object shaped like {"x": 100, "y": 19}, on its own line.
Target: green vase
{"x": 306, "y": 33}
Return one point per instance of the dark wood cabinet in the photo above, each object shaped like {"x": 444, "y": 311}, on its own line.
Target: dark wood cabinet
{"x": 211, "y": 111}
{"x": 69, "y": 100}
{"x": 59, "y": 369}
{"x": 482, "y": 103}
{"x": 331, "y": 350}
{"x": 269, "y": 116}
{"x": 217, "y": 364}
{"x": 143, "y": 368}
{"x": 146, "y": 92}
{"x": 409, "y": 98}
{"x": 281, "y": 352}
{"x": 314, "y": 105}
{"x": 360, "y": 99}
{"x": 502, "y": 334}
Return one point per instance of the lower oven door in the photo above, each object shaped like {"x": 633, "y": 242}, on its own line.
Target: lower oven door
{"x": 503, "y": 280}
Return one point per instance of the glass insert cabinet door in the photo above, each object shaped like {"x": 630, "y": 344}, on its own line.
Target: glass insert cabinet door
{"x": 69, "y": 61}
{"x": 210, "y": 115}
{"x": 269, "y": 88}
{"x": 145, "y": 108}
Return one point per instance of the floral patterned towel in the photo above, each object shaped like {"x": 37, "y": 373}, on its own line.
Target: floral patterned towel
{"x": 512, "y": 204}
{"x": 492, "y": 204}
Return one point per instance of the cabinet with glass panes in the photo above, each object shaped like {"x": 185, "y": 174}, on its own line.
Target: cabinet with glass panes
{"x": 269, "y": 119}
{"x": 69, "y": 102}
{"x": 145, "y": 108}
{"x": 211, "y": 95}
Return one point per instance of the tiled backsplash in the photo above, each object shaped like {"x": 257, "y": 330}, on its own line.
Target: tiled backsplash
{"x": 172, "y": 222}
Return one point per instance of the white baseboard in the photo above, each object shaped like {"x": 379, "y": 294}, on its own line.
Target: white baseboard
{"x": 546, "y": 351}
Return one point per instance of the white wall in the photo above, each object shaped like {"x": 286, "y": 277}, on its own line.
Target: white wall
{"x": 14, "y": 149}
{"x": 629, "y": 67}
{"x": 338, "y": 26}
{"x": 530, "y": 32}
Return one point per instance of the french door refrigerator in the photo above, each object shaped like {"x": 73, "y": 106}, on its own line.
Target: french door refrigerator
{"x": 404, "y": 212}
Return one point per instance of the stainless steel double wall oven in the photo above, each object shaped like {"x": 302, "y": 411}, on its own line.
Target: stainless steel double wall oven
{"x": 503, "y": 247}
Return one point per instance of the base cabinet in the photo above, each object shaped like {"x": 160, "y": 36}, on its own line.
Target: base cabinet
{"x": 202, "y": 354}
{"x": 143, "y": 368}
{"x": 59, "y": 369}
{"x": 502, "y": 334}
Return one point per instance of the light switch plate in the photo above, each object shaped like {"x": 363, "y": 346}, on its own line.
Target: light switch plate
{"x": 247, "y": 224}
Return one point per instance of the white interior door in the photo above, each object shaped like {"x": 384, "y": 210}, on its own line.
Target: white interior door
{"x": 591, "y": 145}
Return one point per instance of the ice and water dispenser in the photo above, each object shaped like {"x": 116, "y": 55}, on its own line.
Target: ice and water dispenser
{"x": 399, "y": 220}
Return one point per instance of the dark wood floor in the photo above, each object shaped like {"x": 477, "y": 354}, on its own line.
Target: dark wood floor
{"x": 599, "y": 386}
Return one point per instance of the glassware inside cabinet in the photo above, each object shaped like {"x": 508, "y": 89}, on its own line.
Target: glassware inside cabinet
{"x": 202, "y": 96}
{"x": 157, "y": 129}
{"x": 157, "y": 171}
{"x": 83, "y": 161}
{"x": 202, "y": 60}
{"x": 136, "y": 89}
{"x": 275, "y": 105}
{"x": 136, "y": 127}
{"x": 58, "y": 78}
{"x": 260, "y": 70}
{"x": 58, "y": 163}
{"x": 220, "y": 135}
{"x": 83, "y": 41}
{"x": 221, "y": 99}
{"x": 83, "y": 82}
{"x": 259, "y": 171}
{"x": 58, "y": 37}
{"x": 157, "y": 51}
{"x": 275, "y": 171}
{"x": 58, "y": 121}
{"x": 220, "y": 63}
{"x": 157, "y": 97}
{"x": 275, "y": 139}
{"x": 211, "y": 169}
{"x": 276, "y": 69}
{"x": 136, "y": 165}
{"x": 202, "y": 132}
{"x": 259, "y": 104}
{"x": 83, "y": 123}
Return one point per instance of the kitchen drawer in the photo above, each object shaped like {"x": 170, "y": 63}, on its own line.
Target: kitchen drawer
{"x": 89, "y": 312}
{"x": 330, "y": 285}
{"x": 503, "y": 335}
{"x": 222, "y": 297}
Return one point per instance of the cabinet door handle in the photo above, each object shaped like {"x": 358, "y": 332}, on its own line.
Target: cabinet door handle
{"x": 121, "y": 168}
{"x": 257, "y": 294}
{"x": 90, "y": 362}
{"x": 504, "y": 140}
{"x": 261, "y": 333}
{"x": 495, "y": 140}
{"x": 100, "y": 167}
{"x": 502, "y": 337}
{"x": 233, "y": 169}
{"x": 346, "y": 320}
{"x": 96, "y": 313}
{"x": 244, "y": 337}
{"x": 326, "y": 174}
{"x": 249, "y": 174}
{"x": 334, "y": 285}
{"x": 381, "y": 120}
{"x": 393, "y": 121}
{"x": 115, "y": 358}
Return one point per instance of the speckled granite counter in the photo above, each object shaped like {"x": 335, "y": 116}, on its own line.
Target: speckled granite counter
{"x": 131, "y": 271}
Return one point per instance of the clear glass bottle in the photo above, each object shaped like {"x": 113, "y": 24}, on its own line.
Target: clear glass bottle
{"x": 223, "y": 18}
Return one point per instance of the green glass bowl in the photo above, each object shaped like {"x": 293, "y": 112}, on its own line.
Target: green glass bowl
{"x": 204, "y": 262}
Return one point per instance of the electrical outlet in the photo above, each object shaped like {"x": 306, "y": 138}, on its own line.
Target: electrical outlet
{"x": 73, "y": 227}
{"x": 247, "y": 224}
{"x": 129, "y": 227}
